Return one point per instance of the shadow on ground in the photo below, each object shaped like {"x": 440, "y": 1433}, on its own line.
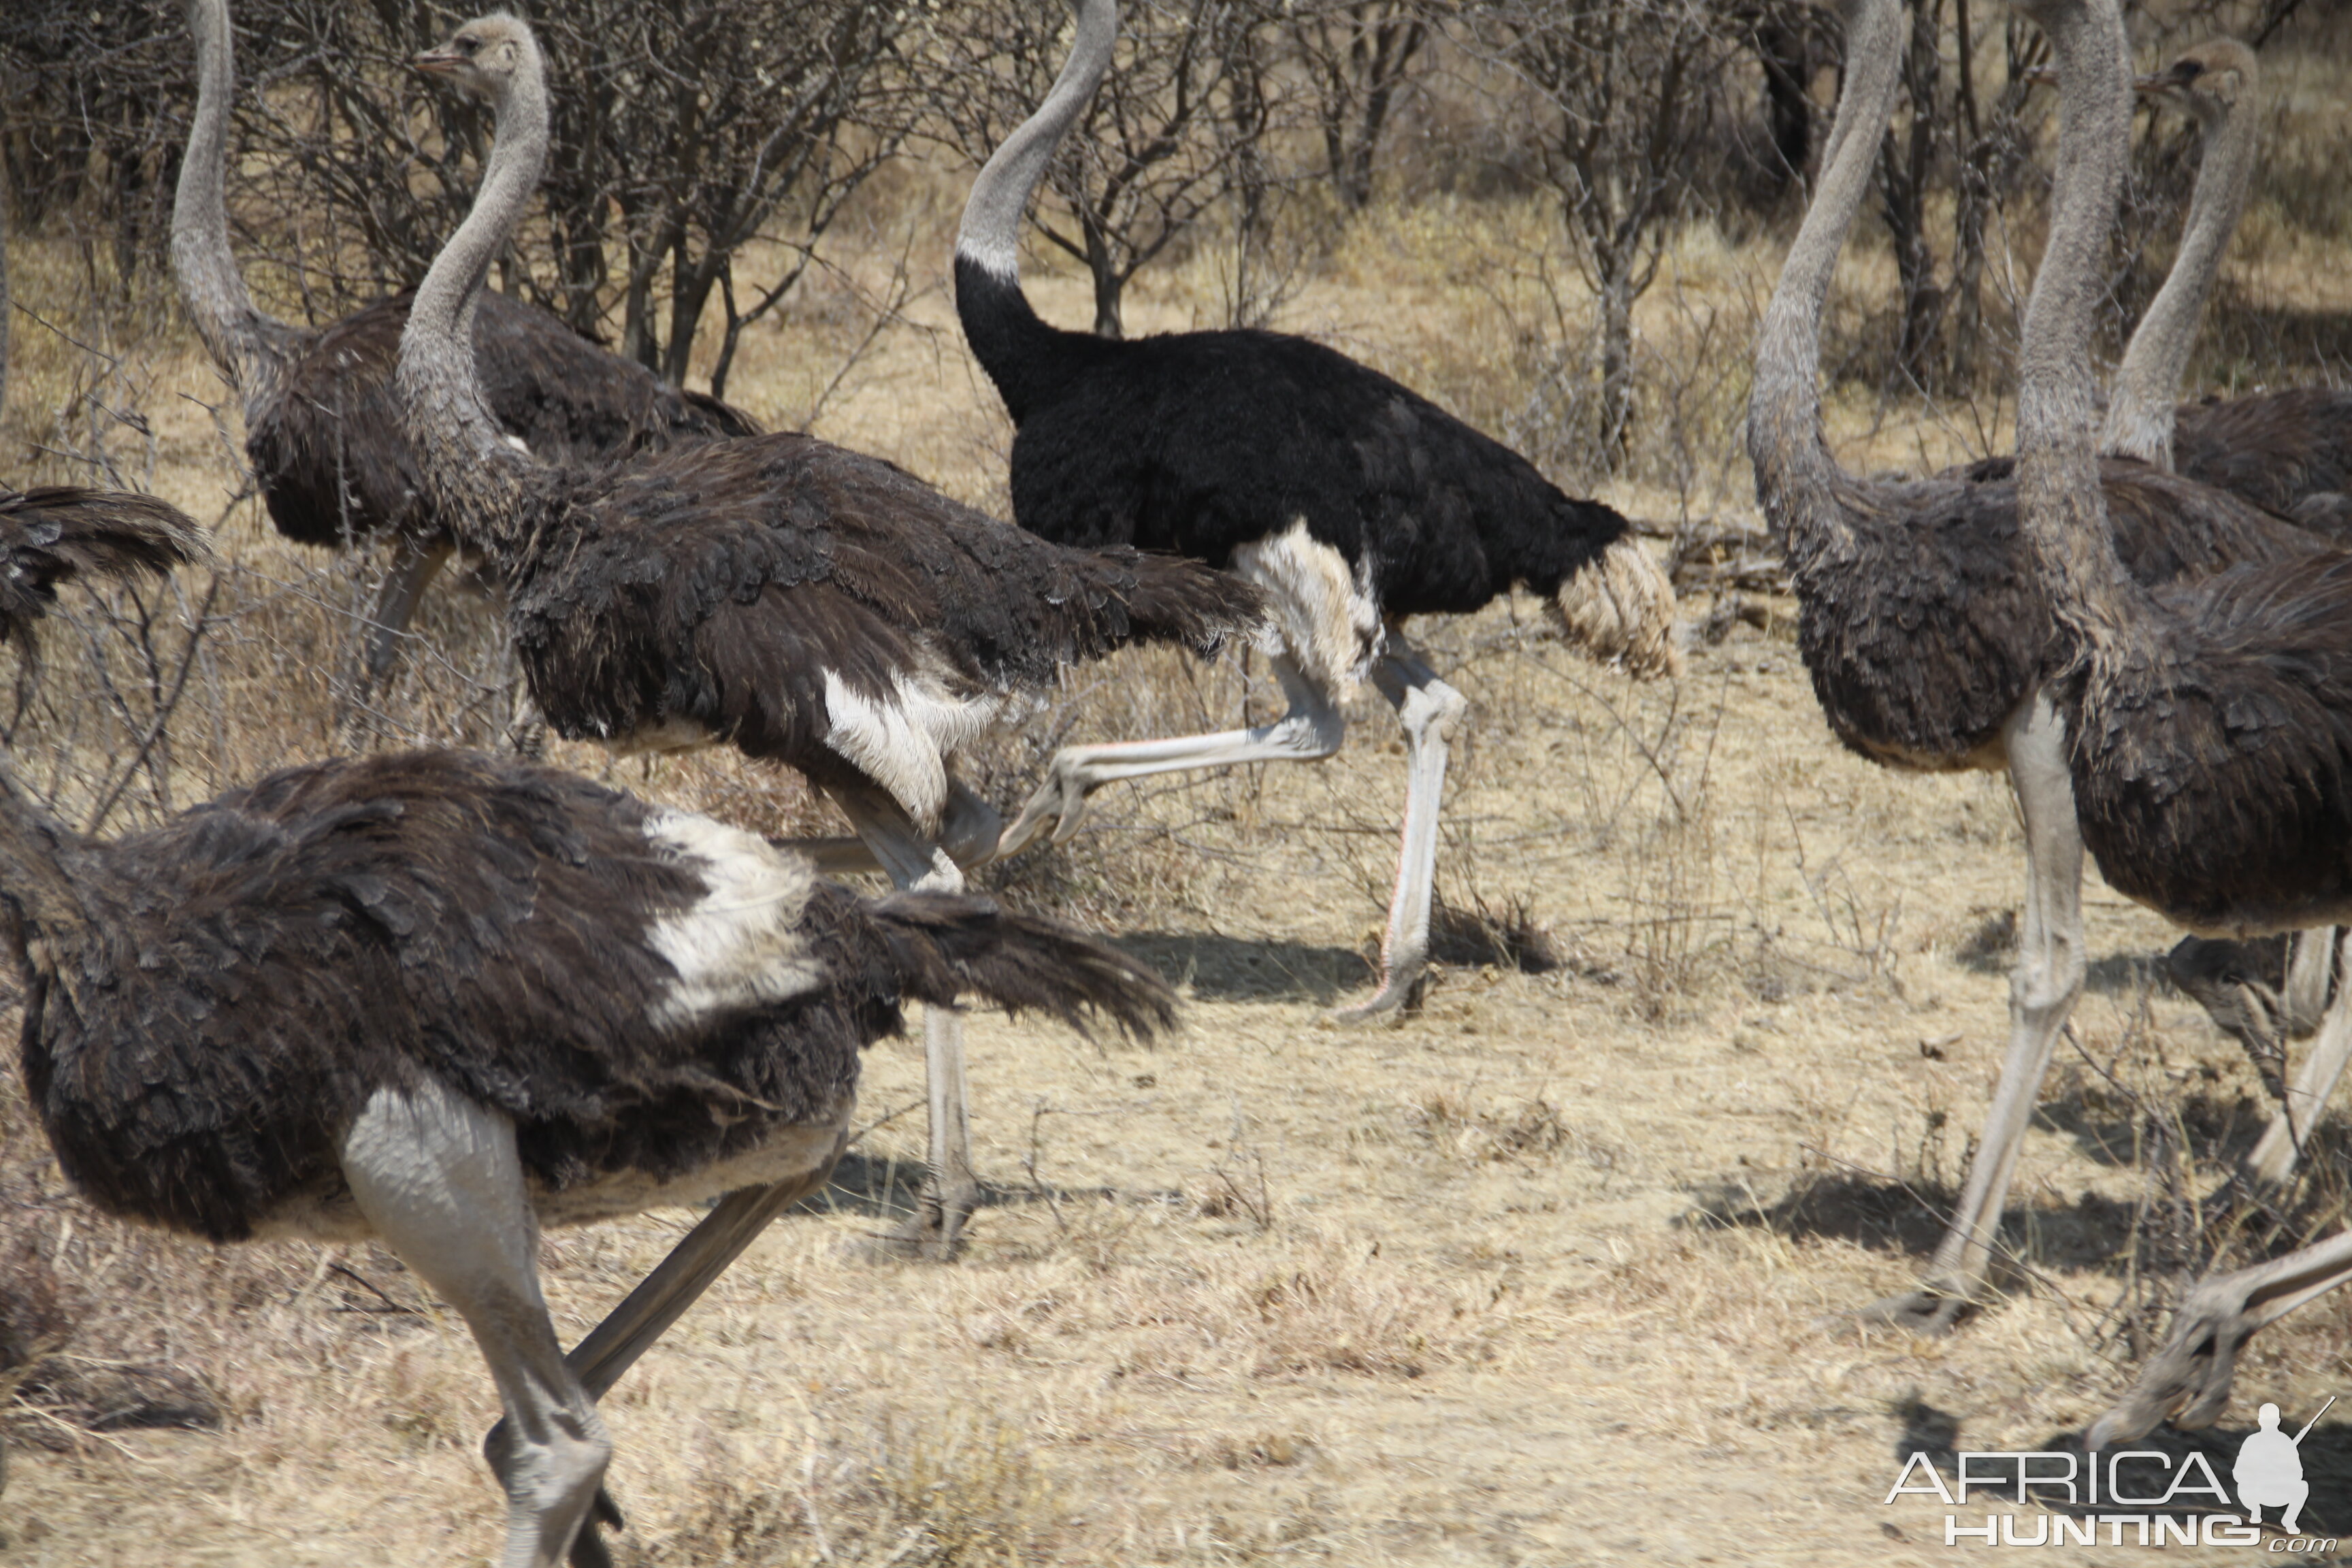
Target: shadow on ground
{"x": 2222, "y": 1128}
{"x": 1886, "y": 1216}
{"x": 1991, "y": 949}
{"x": 1240, "y": 969}
{"x": 886, "y": 1189}
{"x": 1271, "y": 969}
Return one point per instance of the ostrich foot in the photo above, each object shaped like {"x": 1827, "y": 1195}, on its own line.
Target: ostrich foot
{"x": 1400, "y": 995}
{"x": 2189, "y": 1380}
{"x": 934, "y": 1232}
{"x": 2191, "y": 1374}
{"x": 1059, "y": 803}
{"x": 1930, "y": 1312}
{"x": 588, "y": 1548}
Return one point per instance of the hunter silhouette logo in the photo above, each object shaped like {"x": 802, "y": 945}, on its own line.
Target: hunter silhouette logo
{"x": 2112, "y": 1499}
{"x": 2269, "y": 1471}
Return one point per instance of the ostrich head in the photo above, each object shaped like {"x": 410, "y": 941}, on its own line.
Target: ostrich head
{"x": 2207, "y": 81}
{"x": 483, "y": 57}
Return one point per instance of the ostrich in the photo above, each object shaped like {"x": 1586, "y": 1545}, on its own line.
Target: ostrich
{"x": 443, "y": 999}
{"x": 1352, "y": 501}
{"x": 2290, "y": 451}
{"x": 322, "y": 423}
{"x": 2211, "y": 722}
{"x": 1925, "y": 633}
{"x": 801, "y": 602}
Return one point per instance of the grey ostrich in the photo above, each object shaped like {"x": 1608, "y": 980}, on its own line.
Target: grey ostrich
{"x": 2211, "y": 722}
{"x": 1353, "y": 501}
{"x": 1924, "y": 632}
{"x": 2290, "y": 450}
{"x": 323, "y": 422}
{"x": 442, "y": 1000}
{"x": 801, "y": 602}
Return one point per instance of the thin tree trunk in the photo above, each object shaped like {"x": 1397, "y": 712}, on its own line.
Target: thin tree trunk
{"x": 637, "y": 306}
{"x": 1616, "y": 365}
{"x": 1907, "y": 202}
{"x": 730, "y": 337}
{"x": 1109, "y": 285}
{"x": 1786, "y": 55}
{"x": 689, "y": 293}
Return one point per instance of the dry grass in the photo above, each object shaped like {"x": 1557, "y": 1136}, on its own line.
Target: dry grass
{"x": 1543, "y": 1275}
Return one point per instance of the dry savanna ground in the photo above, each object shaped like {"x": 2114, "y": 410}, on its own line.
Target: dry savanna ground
{"x": 1549, "y": 1273}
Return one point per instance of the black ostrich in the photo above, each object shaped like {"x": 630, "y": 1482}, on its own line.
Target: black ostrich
{"x": 2211, "y": 722}
{"x": 776, "y": 594}
{"x": 1352, "y": 501}
{"x": 323, "y": 422}
{"x": 1925, "y": 630}
{"x": 443, "y": 999}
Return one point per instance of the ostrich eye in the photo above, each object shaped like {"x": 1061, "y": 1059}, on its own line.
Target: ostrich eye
{"x": 468, "y": 45}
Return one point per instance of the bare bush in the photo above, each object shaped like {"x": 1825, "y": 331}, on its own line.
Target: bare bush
{"x": 1175, "y": 127}
{"x": 1360, "y": 56}
{"x": 684, "y": 136}
{"x": 1628, "y": 91}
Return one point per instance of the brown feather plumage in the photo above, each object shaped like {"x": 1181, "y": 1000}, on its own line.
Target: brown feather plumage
{"x": 2278, "y": 449}
{"x": 52, "y": 533}
{"x": 722, "y": 583}
{"x": 1929, "y": 628}
{"x": 242, "y": 979}
{"x": 335, "y": 462}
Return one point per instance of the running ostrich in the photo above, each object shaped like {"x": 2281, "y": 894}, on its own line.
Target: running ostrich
{"x": 801, "y": 602}
{"x": 1352, "y": 501}
{"x": 443, "y": 999}
{"x": 1925, "y": 633}
{"x": 323, "y": 422}
{"x": 2211, "y": 722}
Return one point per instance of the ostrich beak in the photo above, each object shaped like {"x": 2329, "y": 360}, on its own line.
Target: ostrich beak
{"x": 443, "y": 61}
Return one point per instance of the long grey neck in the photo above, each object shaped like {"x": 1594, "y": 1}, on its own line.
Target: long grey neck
{"x": 474, "y": 475}
{"x": 2147, "y": 383}
{"x": 2061, "y": 512}
{"x": 242, "y": 341}
{"x": 1797, "y": 479}
{"x": 991, "y": 233}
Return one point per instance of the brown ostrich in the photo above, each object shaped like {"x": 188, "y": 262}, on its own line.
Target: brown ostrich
{"x": 321, "y": 419}
{"x": 442, "y": 1000}
{"x": 2210, "y": 723}
{"x": 777, "y": 594}
{"x": 1925, "y": 633}
{"x": 2289, "y": 450}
